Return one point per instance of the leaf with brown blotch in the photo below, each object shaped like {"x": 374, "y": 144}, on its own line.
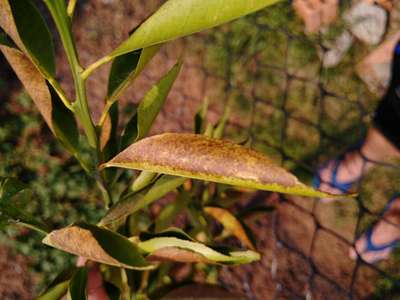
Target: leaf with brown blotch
{"x": 180, "y": 250}
{"x": 177, "y": 255}
{"x": 230, "y": 223}
{"x": 200, "y": 157}
{"x": 97, "y": 244}
{"x": 60, "y": 120}
{"x": 32, "y": 79}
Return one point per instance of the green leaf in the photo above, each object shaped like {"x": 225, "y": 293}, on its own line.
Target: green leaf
{"x": 29, "y": 32}
{"x": 200, "y": 117}
{"x": 137, "y": 201}
{"x": 9, "y": 187}
{"x": 60, "y": 120}
{"x": 150, "y": 106}
{"x": 64, "y": 124}
{"x": 220, "y": 127}
{"x": 230, "y": 223}
{"x": 121, "y": 69}
{"x": 171, "y": 248}
{"x": 58, "y": 287}
{"x": 131, "y": 131}
{"x": 78, "y": 283}
{"x": 126, "y": 68}
{"x": 14, "y": 197}
{"x": 143, "y": 180}
{"x": 4, "y": 39}
{"x": 97, "y": 244}
{"x": 200, "y": 157}
{"x": 177, "y": 18}
{"x": 170, "y": 232}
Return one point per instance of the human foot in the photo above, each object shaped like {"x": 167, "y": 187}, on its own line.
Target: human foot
{"x": 316, "y": 13}
{"x": 338, "y": 176}
{"x": 380, "y": 240}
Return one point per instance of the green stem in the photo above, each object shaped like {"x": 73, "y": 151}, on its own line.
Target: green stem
{"x": 89, "y": 70}
{"x": 58, "y": 11}
{"x": 126, "y": 291}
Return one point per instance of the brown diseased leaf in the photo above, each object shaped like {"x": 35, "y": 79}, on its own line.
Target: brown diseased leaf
{"x": 105, "y": 133}
{"x": 204, "y": 158}
{"x": 177, "y": 255}
{"x": 71, "y": 239}
{"x": 197, "y": 154}
{"x": 32, "y": 80}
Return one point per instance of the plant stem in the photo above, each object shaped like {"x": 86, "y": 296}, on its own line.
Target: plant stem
{"x": 89, "y": 70}
{"x": 63, "y": 23}
{"x": 144, "y": 281}
{"x": 126, "y": 291}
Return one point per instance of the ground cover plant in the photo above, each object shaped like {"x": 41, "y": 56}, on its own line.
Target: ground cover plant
{"x": 130, "y": 248}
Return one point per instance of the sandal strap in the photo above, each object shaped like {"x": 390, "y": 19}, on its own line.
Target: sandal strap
{"x": 371, "y": 247}
{"x": 344, "y": 186}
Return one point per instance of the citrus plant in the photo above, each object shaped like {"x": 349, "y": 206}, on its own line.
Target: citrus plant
{"x": 133, "y": 250}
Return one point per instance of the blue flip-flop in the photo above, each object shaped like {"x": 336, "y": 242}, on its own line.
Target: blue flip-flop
{"x": 371, "y": 247}
{"x": 345, "y": 186}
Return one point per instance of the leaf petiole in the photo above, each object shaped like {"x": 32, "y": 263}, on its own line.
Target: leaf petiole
{"x": 89, "y": 70}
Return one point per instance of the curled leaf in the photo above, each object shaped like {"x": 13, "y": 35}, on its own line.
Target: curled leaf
{"x": 200, "y": 157}
{"x": 97, "y": 244}
{"x": 172, "y": 246}
{"x": 230, "y": 223}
